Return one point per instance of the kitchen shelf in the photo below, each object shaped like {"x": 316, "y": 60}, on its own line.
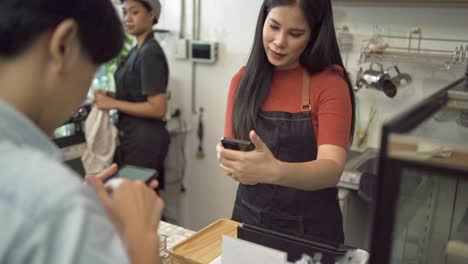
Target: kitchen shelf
{"x": 392, "y": 49}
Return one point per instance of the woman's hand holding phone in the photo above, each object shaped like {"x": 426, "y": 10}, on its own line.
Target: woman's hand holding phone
{"x": 250, "y": 167}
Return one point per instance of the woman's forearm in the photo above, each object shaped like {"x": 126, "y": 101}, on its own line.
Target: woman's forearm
{"x": 143, "y": 109}
{"x": 310, "y": 176}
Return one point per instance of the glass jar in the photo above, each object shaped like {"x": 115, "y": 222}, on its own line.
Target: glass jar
{"x": 163, "y": 250}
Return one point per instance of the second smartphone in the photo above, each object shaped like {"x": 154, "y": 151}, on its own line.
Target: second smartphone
{"x": 237, "y": 144}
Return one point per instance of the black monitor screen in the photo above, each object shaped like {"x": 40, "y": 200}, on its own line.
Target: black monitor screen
{"x": 201, "y": 51}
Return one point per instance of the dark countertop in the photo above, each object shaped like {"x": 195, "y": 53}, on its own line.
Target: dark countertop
{"x": 70, "y": 140}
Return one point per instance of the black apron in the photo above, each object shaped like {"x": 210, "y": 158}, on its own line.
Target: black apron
{"x": 291, "y": 138}
{"x": 143, "y": 142}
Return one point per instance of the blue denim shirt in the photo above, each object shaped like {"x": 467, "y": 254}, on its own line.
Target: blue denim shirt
{"x": 47, "y": 214}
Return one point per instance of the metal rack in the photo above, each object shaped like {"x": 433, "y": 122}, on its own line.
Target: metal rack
{"x": 413, "y": 51}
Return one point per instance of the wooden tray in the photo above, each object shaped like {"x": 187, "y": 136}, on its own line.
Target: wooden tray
{"x": 205, "y": 245}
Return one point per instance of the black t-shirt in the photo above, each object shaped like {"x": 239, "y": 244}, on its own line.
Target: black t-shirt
{"x": 145, "y": 72}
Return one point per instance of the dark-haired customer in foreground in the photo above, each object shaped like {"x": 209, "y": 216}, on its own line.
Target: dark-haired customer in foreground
{"x": 49, "y": 51}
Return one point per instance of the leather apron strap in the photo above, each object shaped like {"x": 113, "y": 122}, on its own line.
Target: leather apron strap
{"x": 305, "y": 105}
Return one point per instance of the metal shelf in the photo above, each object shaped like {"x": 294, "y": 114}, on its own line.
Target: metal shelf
{"x": 413, "y": 51}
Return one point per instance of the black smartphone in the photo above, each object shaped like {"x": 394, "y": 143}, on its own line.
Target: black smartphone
{"x": 237, "y": 144}
{"x": 136, "y": 173}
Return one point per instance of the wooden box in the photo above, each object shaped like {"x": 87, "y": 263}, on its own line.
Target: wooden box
{"x": 205, "y": 245}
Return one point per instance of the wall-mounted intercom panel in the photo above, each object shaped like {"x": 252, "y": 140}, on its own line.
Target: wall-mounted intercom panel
{"x": 203, "y": 51}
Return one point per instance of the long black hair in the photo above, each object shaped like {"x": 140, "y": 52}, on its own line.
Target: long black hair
{"x": 99, "y": 27}
{"x": 321, "y": 52}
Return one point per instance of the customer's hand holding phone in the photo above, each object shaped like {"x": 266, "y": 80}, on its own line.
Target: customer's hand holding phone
{"x": 135, "y": 209}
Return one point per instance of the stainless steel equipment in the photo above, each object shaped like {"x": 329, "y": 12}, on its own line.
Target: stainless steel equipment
{"x": 71, "y": 140}
{"x": 380, "y": 79}
{"x": 74, "y": 125}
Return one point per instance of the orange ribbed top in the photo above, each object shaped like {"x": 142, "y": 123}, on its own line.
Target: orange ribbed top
{"x": 329, "y": 97}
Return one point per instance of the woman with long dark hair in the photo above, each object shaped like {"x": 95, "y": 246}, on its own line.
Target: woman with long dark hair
{"x": 295, "y": 102}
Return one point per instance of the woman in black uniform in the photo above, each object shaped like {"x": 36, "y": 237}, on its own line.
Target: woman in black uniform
{"x": 140, "y": 98}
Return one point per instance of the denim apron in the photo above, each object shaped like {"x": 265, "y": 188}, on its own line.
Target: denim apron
{"x": 291, "y": 138}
